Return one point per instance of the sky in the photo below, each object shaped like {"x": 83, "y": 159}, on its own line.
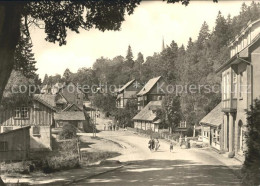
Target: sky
{"x": 144, "y": 31}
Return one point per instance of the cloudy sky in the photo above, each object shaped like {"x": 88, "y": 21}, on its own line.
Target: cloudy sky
{"x": 143, "y": 30}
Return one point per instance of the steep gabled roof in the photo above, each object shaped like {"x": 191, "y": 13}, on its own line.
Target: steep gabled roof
{"x": 69, "y": 106}
{"x": 148, "y": 112}
{"x": 46, "y": 99}
{"x": 126, "y": 85}
{"x": 148, "y": 86}
{"x": 214, "y": 117}
{"x": 69, "y": 116}
{"x": 60, "y": 99}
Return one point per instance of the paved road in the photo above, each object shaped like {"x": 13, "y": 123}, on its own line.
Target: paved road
{"x": 180, "y": 167}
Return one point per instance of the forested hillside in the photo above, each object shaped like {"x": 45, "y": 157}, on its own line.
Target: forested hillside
{"x": 193, "y": 65}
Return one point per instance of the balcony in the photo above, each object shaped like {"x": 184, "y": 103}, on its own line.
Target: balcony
{"x": 229, "y": 105}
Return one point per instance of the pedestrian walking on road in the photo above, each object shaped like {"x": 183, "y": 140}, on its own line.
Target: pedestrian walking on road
{"x": 151, "y": 144}
{"x": 157, "y": 144}
{"x": 171, "y": 146}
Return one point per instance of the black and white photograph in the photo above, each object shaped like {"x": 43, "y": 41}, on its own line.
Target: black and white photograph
{"x": 130, "y": 92}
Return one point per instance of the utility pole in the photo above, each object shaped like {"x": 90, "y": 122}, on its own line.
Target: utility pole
{"x": 95, "y": 122}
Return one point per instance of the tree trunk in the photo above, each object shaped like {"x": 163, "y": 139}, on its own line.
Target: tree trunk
{"x": 10, "y": 19}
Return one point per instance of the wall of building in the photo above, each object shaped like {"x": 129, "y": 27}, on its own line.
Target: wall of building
{"x": 245, "y": 39}
{"x": 73, "y": 94}
{"x": 255, "y": 60}
{"x": 41, "y": 142}
{"x": 208, "y": 132}
{"x": 205, "y": 132}
{"x": 18, "y": 145}
{"x": 60, "y": 124}
{"x": 38, "y": 115}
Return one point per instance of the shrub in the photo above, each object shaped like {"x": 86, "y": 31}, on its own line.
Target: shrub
{"x": 22, "y": 167}
{"x": 68, "y": 132}
{"x": 65, "y": 158}
{"x": 60, "y": 162}
{"x": 251, "y": 166}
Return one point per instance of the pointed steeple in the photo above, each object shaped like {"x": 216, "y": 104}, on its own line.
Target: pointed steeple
{"x": 163, "y": 47}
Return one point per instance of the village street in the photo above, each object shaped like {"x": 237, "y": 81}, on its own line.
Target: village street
{"x": 180, "y": 167}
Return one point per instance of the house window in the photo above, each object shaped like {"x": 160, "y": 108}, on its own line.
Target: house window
{"x": 217, "y": 136}
{"x": 182, "y": 124}
{"x": 21, "y": 113}
{"x": 234, "y": 85}
{"x": 224, "y": 87}
{"x": 36, "y": 131}
{"x": 205, "y": 134}
{"x": 241, "y": 85}
{"x": 228, "y": 86}
{"x": 3, "y": 146}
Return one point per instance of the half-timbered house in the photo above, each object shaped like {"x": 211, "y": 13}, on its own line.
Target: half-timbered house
{"x": 127, "y": 92}
{"x": 38, "y": 115}
{"x": 146, "y": 119}
{"x": 154, "y": 90}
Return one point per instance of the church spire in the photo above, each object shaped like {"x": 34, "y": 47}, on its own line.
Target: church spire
{"x": 163, "y": 47}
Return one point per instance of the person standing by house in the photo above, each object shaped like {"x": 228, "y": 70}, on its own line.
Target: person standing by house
{"x": 105, "y": 126}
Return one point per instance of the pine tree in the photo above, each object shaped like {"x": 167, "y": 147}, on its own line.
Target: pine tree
{"x": 129, "y": 57}
{"x": 45, "y": 79}
{"x": 67, "y": 76}
{"x": 221, "y": 30}
{"x": 138, "y": 65}
{"x": 24, "y": 58}
{"x": 203, "y": 35}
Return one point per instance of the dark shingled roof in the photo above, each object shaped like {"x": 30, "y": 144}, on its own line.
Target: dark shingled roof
{"x": 69, "y": 116}
{"x": 125, "y": 86}
{"x": 46, "y": 99}
{"x": 148, "y": 112}
{"x": 148, "y": 86}
{"x": 214, "y": 117}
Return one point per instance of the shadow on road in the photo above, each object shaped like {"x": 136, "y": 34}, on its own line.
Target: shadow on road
{"x": 166, "y": 172}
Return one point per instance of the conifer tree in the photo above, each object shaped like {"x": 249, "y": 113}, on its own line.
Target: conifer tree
{"x": 24, "y": 58}
{"x": 129, "y": 57}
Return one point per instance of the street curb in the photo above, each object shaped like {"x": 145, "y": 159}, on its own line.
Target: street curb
{"x": 94, "y": 175}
